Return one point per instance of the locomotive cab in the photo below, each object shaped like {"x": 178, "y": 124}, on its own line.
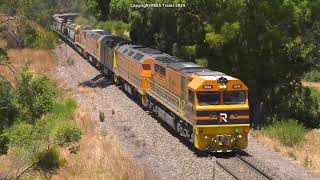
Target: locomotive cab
{"x": 220, "y": 112}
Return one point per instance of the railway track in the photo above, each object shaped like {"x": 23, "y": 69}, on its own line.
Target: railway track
{"x": 239, "y": 168}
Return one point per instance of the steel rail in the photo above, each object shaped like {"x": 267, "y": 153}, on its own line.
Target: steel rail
{"x": 227, "y": 170}
{"x": 252, "y": 166}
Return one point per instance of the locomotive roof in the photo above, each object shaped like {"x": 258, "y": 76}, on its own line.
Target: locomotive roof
{"x": 112, "y": 40}
{"x": 140, "y": 52}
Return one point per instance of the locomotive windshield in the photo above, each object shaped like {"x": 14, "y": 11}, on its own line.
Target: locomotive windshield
{"x": 208, "y": 98}
{"x": 234, "y": 97}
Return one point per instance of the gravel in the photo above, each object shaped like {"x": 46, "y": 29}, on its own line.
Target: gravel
{"x": 145, "y": 138}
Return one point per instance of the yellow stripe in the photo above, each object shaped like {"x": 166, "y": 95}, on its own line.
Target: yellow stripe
{"x": 227, "y": 125}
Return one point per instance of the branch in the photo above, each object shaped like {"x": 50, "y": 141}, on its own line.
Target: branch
{"x": 16, "y": 38}
{"x": 27, "y": 169}
{"x": 7, "y": 20}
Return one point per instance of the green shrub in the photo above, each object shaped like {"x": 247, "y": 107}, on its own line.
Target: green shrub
{"x": 8, "y": 111}
{"x": 101, "y": 116}
{"x": 4, "y": 144}
{"x": 70, "y": 61}
{"x": 288, "y": 132}
{"x": 202, "y": 62}
{"x": 35, "y": 96}
{"x": 312, "y": 76}
{"x": 67, "y": 136}
{"x": 50, "y": 161}
{"x": 303, "y": 106}
{"x": 27, "y": 136}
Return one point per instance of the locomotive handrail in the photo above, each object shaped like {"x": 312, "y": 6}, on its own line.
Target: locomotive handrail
{"x": 180, "y": 102}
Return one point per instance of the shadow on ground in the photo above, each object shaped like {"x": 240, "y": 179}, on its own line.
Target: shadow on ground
{"x": 99, "y": 81}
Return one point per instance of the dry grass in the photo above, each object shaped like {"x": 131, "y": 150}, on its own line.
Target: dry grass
{"x": 40, "y": 60}
{"x": 311, "y": 84}
{"x": 100, "y": 156}
{"x": 306, "y": 154}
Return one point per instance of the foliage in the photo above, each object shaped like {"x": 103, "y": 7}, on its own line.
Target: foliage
{"x": 8, "y": 109}
{"x": 38, "y": 142}
{"x": 101, "y": 116}
{"x": 4, "y": 144}
{"x": 315, "y": 92}
{"x": 81, "y": 20}
{"x": 68, "y": 135}
{"x": 302, "y": 105}
{"x": 100, "y": 8}
{"x": 33, "y": 123}
{"x": 39, "y": 39}
{"x": 50, "y": 161}
{"x": 202, "y": 62}
{"x": 3, "y": 56}
{"x": 70, "y": 61}
{"x": 289, "y": 132}
{"x": 115, "y": 27}
{"x": 312, "y": 76}
{"x": 35, "y": 96}
{"x": 64, "y": 109}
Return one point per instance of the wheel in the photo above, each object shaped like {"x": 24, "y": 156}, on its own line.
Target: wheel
{"x": 180, "y": 129}
{"x": 116, "y": 79}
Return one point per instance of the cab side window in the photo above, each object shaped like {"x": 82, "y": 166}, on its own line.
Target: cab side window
{"x": 160, "y": 70}
{"x": 191, "y": 96}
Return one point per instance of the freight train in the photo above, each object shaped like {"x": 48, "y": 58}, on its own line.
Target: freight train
{"x": 208, "y": 108}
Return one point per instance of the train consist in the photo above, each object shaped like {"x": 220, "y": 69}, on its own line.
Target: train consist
{"x": 208, "y": 108}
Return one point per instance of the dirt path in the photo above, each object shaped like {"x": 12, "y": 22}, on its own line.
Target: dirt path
{"x": 142, "y": 136}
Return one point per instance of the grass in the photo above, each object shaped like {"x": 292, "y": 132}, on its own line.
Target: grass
{"x": 40, "y": 60}
{"x": 290, "y": 133}
{"x": 315, "y": 92}
{"x": 304, "y": 151}
{"x": 65, "y": 109}
{"x": 312, "y": 76}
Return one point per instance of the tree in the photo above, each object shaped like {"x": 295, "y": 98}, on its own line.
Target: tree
{"x": 100, "y": 8}
{"x": 35, "y": 96}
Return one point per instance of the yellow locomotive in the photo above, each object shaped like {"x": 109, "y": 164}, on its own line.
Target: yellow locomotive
{"x": 208, "y": 108}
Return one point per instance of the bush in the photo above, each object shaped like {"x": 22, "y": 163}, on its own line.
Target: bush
{"x": 50, "y": 161}
{"x": 4, "y": 145}
{"x": 288, "y": 132}
{"x": 35, "y": 96}
{"x": 301, "y": 105}
{"x": 312, "y": 76}
{"x": 67, "y": 136}
{"x": 39, "y": 39}
{"x": 8, "y": 109}
{"x": 70, "y": 61}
